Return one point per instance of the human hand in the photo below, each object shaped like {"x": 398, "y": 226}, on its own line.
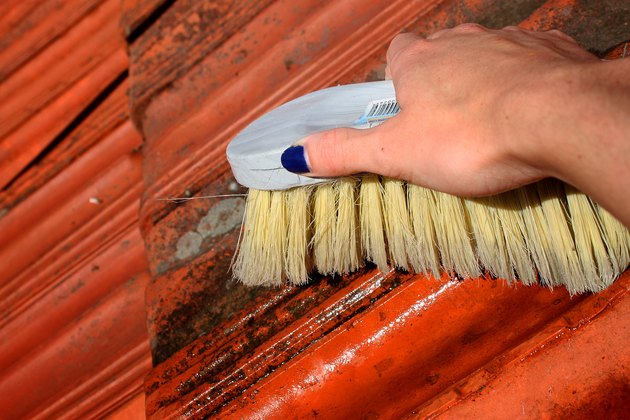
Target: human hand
{"x": 474, "y": 117}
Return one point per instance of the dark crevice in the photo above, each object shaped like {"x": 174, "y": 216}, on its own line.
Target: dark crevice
{"x": 149, "y": 21}
{"x": 74, "y": 124}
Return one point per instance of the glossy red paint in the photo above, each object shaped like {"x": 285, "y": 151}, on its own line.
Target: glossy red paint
{"x": 445, "y": 345}
{"x": 580, "y": 371}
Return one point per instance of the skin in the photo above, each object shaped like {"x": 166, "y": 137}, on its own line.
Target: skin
{"x": 484, "y": 111}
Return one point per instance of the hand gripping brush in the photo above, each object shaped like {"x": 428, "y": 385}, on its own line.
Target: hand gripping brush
{"x": 547, "y": 232}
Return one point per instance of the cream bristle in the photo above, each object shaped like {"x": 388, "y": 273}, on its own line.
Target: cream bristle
{"x": 277, "y": 236}
{"x": 505, "y": 210}
{"x": 617, "y": 238}
{"x": 536, "y": 238}
{"x": 453, "y": 238}
{"x": 371, "y": 221}
{"x": 565, "y": 262}
{"x": 324, "y": 223}
{"x": 252, "y": 264}
{"x": 403, "y": 250}
{"x": 587, "y": 232}
{"x": 488, "y": 234}
{"x": 347, "y": 255}
{"x": 298, "y": 262}
{"x": 421, "y": 204}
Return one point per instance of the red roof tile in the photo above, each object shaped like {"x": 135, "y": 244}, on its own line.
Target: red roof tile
{"x": 73, "y": 339}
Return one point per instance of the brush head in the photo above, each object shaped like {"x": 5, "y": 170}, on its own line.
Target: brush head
{"x": 254, "y": 154}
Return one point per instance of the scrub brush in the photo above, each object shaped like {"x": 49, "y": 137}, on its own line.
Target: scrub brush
{"x": 547, "y": 233}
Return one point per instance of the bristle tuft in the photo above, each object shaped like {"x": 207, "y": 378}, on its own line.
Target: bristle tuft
{"x": 489, "y": 237}
{"x": 371, "y": 217}
{"x": 421, "y": 203}
{"x": 617, "y": 239}
{"x": 403, "y": 250}
{"x": 347, "y": 250}
{"x": 298, "y": 260}
{"x": 593, "y": 257}
{"x": 324, "y": 223}
{"x": 453, "y": 237}
{"x": 257, "y": 261}
{"x": 565, "y": 263}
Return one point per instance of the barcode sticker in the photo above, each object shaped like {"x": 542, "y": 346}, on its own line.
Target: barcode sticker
{"x": 376, "y": 112}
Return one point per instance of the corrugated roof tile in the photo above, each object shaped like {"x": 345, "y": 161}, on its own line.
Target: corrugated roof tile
{"x": 73, "y": 340}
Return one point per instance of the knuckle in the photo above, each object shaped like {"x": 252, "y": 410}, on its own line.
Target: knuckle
{"x": 402, "y": 45}
{"x": 470, "y": 27}
{"x": 402, "y": 38}
{"x": 556, "y": 32}
{"x": 513, "y": 28}
{"x": 396, "y": 45}
{"x": 417, "y": 47}
{"x": 411, "y": 50}
{"x": 440, "y": 33}
{"x": 560, "y": 34}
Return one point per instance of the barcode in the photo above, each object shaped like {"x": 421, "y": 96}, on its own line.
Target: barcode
{"x": 378, "y": 111}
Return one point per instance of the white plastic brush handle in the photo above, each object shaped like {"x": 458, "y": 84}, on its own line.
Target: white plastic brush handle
{"x": 254, "y": 154}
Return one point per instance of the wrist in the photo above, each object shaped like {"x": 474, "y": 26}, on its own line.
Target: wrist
{"x": 552, "y": 118}
{"x": 576, "y": 123}
{"x": 591, "y": 113}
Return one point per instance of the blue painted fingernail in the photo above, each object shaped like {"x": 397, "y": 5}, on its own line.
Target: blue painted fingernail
{"x": 294, "y": 160}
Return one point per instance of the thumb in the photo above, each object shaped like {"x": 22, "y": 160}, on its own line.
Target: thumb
{"x": 333, "y": 153}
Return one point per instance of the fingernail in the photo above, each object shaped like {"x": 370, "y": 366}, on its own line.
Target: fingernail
{"x": 294, "y": 160}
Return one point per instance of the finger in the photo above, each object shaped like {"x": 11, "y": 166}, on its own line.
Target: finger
{"x": 388, "y": 73}
{"x": 338, "y": 152}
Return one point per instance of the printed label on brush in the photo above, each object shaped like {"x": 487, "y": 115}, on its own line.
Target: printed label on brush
{"x": 376, "y": 112}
